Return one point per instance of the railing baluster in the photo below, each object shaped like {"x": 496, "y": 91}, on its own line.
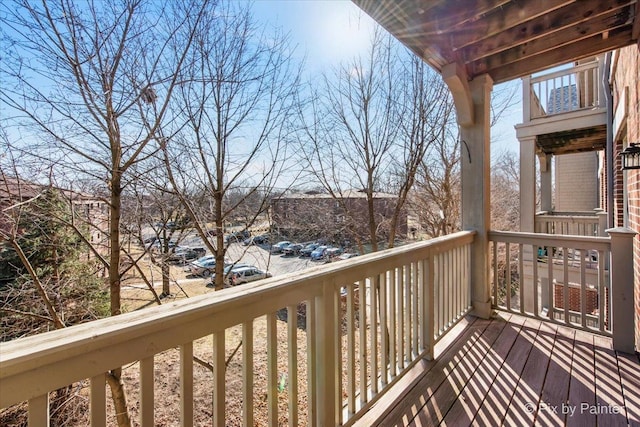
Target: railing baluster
{"x": 508, "y": 275}
{"x": 384, "y": 331}
{"x": 373, "y": 329}
{"x": 430, "y": 318}
{"x": 219, "y": 389}
{"x": 495, "y": 273}
{"x": 604, "y": 303}
{"x": 392, "y": 323}
{"x": 583, "y": 288}
{"x": 292, "y": 364}
{"x": 534, "y": 263}
{"x": 186, "y": 384}
{"x": 247, "y": 373}
{"x": 565, "y": 279}
{"x": 550, "y": 285}
{"x": 400, "y": 313}
{"x": 407, "y": 312}
{"x": 146, "y": 392}
{"x": 414, "y": 310}
{"x": 272, "y": 369}
{"x": 422, "y": 265}
{"x": 521, "y": 276}
{"x": 362, "y": 323}
{"x": 39, "y": 411}
{"x": 351, "y": 353}
{"x": 97, "y": 400}
{"x": 312, "y": 365}
{"x": 447, "y": 289}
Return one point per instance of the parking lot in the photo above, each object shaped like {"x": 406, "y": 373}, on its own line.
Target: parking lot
{"x": 261, "y": 257}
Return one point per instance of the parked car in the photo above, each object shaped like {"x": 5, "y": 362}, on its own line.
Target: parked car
{"x": 347, "y": 255}
{"x": 332, "y": 252}
{"x": 203, "y": 267}
{"x": 158, "y": 245}
{"x": 256, "y": 240}
{"x": 306, "y": 251}
{"x": 228, "y": 268}
{"x": 237, "y": 236}
{"x": 185, "y": 253}
{"x": 241, "y": 275}
{"x": 278, "y": 247}
{"x": 292, "y": 249}
{"x": 318, "y": 253}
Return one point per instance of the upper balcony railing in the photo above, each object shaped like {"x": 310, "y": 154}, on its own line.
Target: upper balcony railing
{"x": 572, "y": 223}
{"x": 362, "y": 324}
{"x": 573, "y": 89}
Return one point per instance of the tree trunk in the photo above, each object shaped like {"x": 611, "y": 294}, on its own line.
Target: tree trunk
{"x": 166, "y": 288}
{"x": 114, "y": 379}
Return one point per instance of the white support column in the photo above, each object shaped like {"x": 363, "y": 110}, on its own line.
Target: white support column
{"x": 528, "y": 212}
{"x": 546, "y": 188}
{"x": 621, "y": 289}
{"x": 476, "y": 183}
{"x": 527, "y": 184}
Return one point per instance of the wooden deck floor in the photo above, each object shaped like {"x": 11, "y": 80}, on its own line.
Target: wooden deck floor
{"x": 516, "y": 371}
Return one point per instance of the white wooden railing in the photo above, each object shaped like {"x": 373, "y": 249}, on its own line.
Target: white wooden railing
{"x": 364, "y": 321}
{"x": 576, "y": 224}
{"x": 563, "y": 91}
{"x": 563, "y": 279}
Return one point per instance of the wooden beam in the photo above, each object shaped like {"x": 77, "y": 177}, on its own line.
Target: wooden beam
{"x": 512, "y": 15}
{"x": 442, "y": 18}
{"x": 542, "y": 26}
{"x": 541, "y": 45}
{"x": 570, "y": 52}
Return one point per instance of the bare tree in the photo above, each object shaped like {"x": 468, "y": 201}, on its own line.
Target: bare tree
{"x": 505, "y": 192}
{"x": 229, "y": 132}
{"x": 84, "y": 75}
{"x": 368, "y": 129}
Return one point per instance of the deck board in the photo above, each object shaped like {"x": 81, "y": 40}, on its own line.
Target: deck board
{"x": 471, "y": 397}
{"x": 582, "y": 387}
{"x": 608, "y": 385}
{"x": 556, "y": 384}
{"x": 437, "y": 406}
{"x": 512, "y": 370}
{"x": 402, "y": 415}
{"x": 526, "y": 397}
{"x": 501, "y": 392}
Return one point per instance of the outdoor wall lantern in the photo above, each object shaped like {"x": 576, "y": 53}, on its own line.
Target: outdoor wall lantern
{"x": 631, "y": 157}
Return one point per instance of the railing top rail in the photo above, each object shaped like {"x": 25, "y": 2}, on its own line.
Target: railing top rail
{"x": 586, "y": 214}
{"x": 107, "y": 343}
{"x": 557, "y": 240}
{"x": 567, "y": 71}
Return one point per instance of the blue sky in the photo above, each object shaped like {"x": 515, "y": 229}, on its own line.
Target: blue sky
{"x": 331, "y": 31}
{"x": 328, "y": 31}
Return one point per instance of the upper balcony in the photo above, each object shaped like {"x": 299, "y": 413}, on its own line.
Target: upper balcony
{"x": 384, "y": 338}
{"x": 565, "y": 110}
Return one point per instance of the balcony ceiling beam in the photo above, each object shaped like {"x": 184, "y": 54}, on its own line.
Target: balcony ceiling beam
{"x": 507, "y": 39}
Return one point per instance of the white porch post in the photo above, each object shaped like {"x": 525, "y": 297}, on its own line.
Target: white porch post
{"x": 621, "y": 288}
{"x": 472, "y": 100}
{"x": 546, "y": 189}
{"x": 528, "y": 211}
{"x": 527, "y": 184}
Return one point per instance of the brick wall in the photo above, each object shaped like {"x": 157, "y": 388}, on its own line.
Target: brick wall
{"x": 573, "y": 168}
{"x": 625, "y": 79}
{"x": 591, "y": 303}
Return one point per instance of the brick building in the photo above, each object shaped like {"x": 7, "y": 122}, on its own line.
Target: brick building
{"x": 317, "y": 215}
{"x": 90, "y": 212}
{"x": 625, "y": 126}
